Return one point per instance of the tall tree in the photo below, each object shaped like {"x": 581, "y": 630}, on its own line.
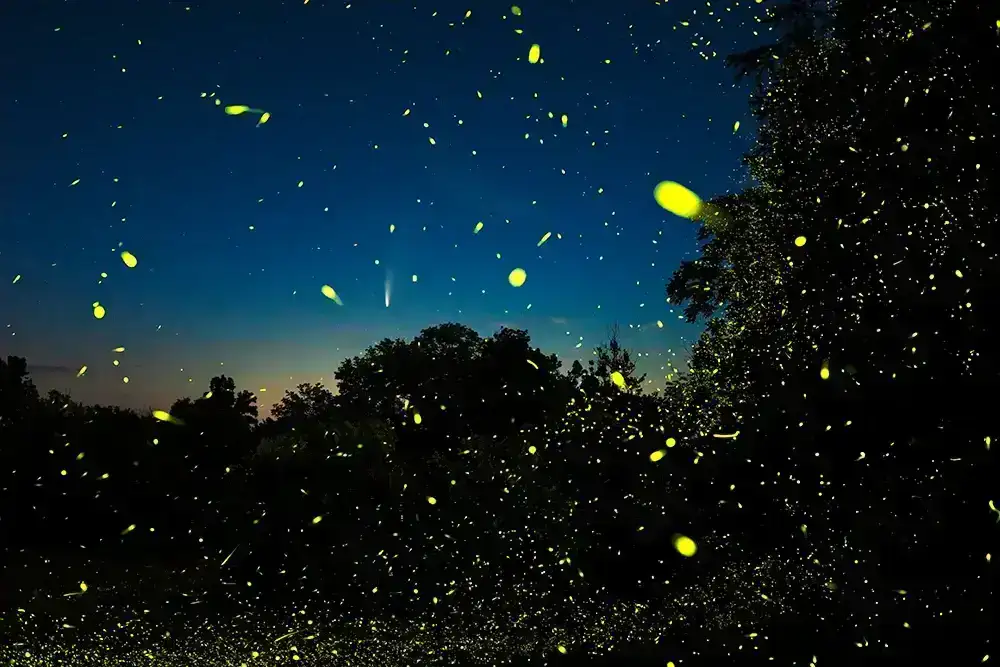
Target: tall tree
{"x": 846, "y": 290}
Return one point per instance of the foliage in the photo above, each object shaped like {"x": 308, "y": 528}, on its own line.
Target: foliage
{"x": 831, "y": 354}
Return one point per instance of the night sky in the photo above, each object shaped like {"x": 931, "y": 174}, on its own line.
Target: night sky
{"x": 114, "y": 137}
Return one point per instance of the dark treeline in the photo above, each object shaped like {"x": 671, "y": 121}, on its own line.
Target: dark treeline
{"x": 828, "y": 450}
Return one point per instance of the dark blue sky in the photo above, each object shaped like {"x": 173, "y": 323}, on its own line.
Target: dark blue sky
{"x": 233, "y": 253}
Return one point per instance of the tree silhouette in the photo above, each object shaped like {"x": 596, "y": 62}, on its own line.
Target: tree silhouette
{"x": 17, "y": 391}
{"x": 609, "y": 357}
{"x": 799, "y": 23}
{"x": 220, "y": 403}
{"x": 305, "y": 405}
{"x": 459, "y": 383}
{"x": 841, "y": 297}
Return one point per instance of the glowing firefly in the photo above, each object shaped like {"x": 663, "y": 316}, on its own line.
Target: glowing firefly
{"x": 331, "y": 294}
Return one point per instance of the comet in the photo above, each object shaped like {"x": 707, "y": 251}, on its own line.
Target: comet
{"x": 388, "y": 288}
